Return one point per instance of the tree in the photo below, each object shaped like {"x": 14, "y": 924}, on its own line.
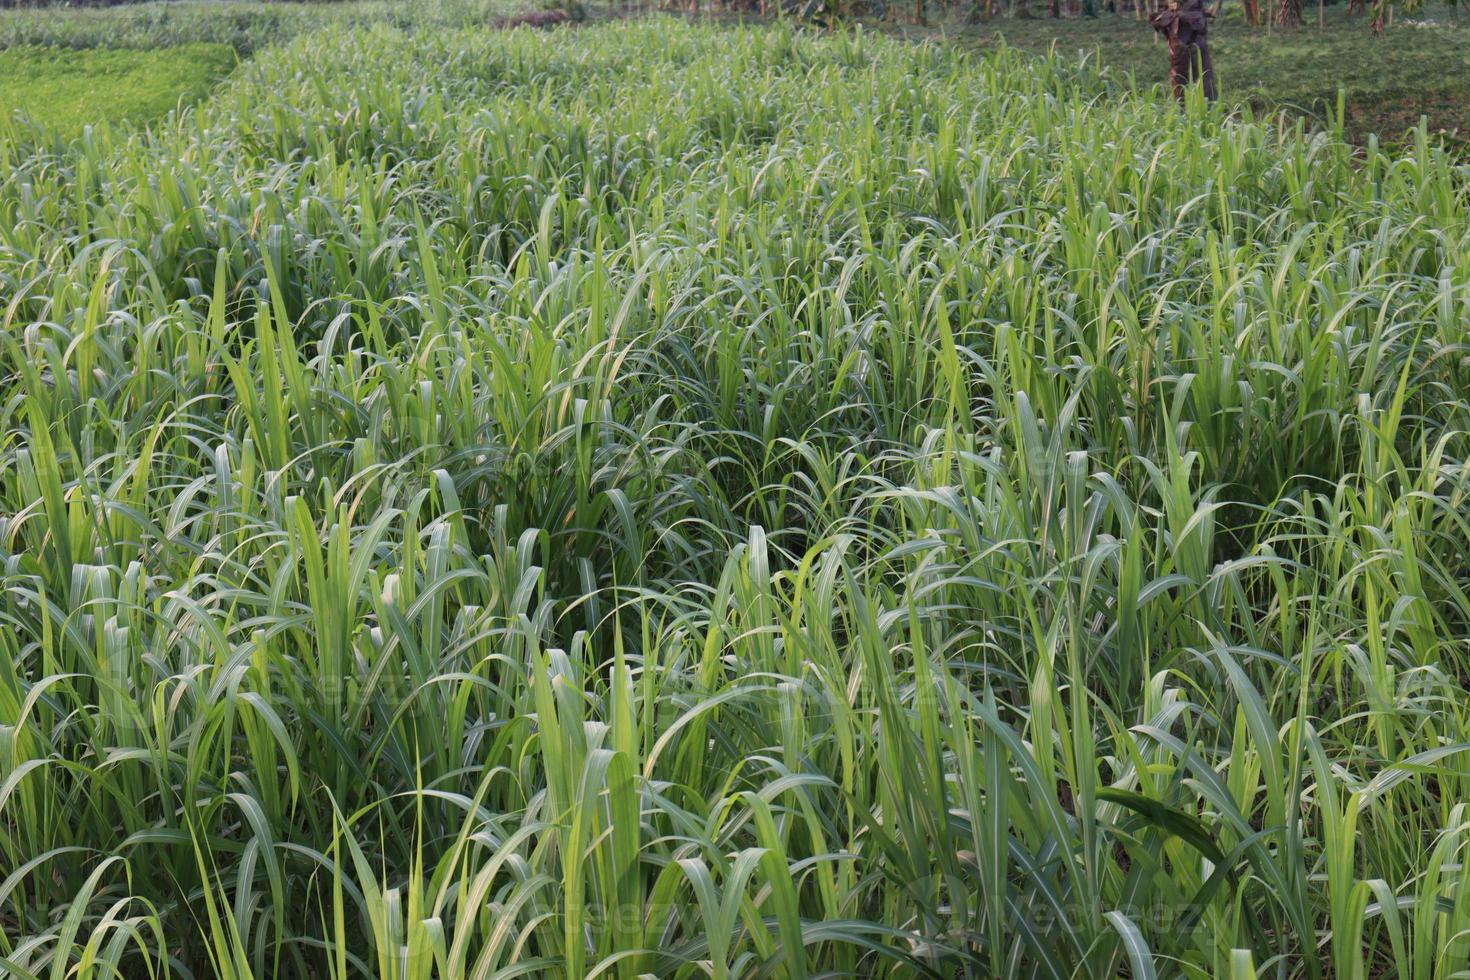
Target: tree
{"x": 1289, "y": 13}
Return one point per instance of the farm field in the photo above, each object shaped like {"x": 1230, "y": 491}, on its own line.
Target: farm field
{"x": 245, "y": 25}
{"x": 68, "y": 90}
{"x": 1419, "y": 68}
{"x": 680, "y": 500}
{"x": 130, "y": 65}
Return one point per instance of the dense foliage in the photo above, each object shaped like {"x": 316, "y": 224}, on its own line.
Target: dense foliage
{"x": 695, "y": 502}
{"x": 74, "y": 89}
{"x": 245, "y": 25}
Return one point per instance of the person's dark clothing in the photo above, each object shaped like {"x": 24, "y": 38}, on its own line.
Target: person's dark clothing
{"x": 1189, "y": 51}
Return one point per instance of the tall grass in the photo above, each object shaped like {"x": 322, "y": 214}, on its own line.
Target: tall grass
{"x": 245, "y": 25}
{"x": 681, "y": 502}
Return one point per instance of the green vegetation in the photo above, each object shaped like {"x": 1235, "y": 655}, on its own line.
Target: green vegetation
{"x": 65, "y": 69}
{"x": 1415, "y": 68}
{"x": 68, "y": 90}
{"x": 245, "y": 25}
{"x": 680, "y": 501}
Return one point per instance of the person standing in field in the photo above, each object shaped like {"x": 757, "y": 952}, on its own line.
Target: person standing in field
{"x": 1185, "y": 24}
